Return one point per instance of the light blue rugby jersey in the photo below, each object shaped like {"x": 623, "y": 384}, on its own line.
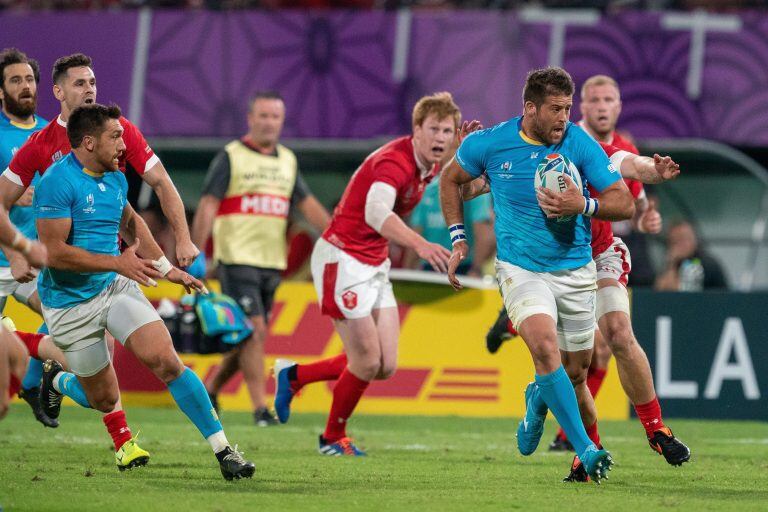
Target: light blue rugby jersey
{"x": 524, "y": 235}
{"x": 12, "y": 137}
{"x": 95, "y": 205}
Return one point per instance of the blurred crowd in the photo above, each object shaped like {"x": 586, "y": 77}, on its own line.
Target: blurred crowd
{"x": 607, "y": 5}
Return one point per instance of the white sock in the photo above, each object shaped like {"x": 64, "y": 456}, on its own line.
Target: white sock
{"x": 56, "y": 380}
{"x": 218, "y": 441}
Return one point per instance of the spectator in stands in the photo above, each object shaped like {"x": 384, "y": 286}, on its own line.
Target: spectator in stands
{"x": 689, "y": 268}
{"x": 427, "y": 220}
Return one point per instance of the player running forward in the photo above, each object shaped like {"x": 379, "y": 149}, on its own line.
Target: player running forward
{"x": 74, "y": 84}
{"x": 601, "y": 105}
{"x": 350, "y": 267}
{"x": 544, "y": 265}
{"x": 89, "y": 287}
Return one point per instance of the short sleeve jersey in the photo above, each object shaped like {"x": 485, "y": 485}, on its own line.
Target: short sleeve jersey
{"x": 12, "y": 137}
{"x": 50, "y": 144}
{"x": 95, "y": 206}
{"x": 602, "y": 230}
{"x": 524, "y": 235}
{"x": 393, "y": 164}
{"x": 428, "y": 217}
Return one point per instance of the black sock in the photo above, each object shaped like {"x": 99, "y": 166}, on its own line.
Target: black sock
{"x": 292, "y": 372}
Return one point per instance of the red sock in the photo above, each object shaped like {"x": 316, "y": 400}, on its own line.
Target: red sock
{"x": 31, "y": 341}
{"x": 326, "y": 369}
{"x": 650, "y": 416}
{"x": 593, "y": 435}
{"x": 595, "y": 377}
{"x": 511, "y": 328}
{"x": 117, "y": 426}
{"x": 14, "y": 387}
{"x": 346, "y": 394}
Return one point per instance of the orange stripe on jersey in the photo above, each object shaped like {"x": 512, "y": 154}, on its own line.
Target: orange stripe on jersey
{"x": 255, "y": 204}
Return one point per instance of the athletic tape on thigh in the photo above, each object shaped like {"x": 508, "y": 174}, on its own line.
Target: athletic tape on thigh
{"x": 612, "y": 298}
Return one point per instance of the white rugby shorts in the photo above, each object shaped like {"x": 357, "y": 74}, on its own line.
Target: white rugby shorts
{"x": 80, "y": 331}
{"x": 347, "y": 287}
{"x": 614, "y": 262}
{"x": 568, "y": 296}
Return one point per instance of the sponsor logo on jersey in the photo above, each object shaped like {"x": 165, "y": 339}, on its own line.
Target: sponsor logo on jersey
{"x": 89, "y": 200}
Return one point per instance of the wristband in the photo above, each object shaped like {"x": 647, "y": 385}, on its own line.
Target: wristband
{"x": 21, "y": 243}
{"x": 590, "y": 207}
{"x": 162, "y": 265}
{"x": 458, "y": 234}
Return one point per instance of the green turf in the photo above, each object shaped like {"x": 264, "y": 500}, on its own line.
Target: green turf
{"x": 414, "y": 464}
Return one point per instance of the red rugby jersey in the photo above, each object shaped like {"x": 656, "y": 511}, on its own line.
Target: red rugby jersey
{"x": 48, "y": 145}
{"x": 393, "y": 164}
{"x": 602, "y": 232}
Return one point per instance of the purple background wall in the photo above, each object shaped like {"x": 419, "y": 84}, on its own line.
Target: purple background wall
{"x": 335, "y": 68}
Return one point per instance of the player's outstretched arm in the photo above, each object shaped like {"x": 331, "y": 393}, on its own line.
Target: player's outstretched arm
{"x": 649, "y": 170}
{"x": 173, "y": 209}
{"x": 133, "y": 229}
{"x": 379, "y": 215}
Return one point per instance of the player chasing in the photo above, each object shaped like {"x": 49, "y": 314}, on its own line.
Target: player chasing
{"x": 350, "y": 266}
{"x": 89, "y": 287}
{"x": 74, "y": 85}
{"x": 544, "y": 265}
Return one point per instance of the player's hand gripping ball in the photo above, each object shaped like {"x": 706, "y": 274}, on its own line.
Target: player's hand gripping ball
{"x": 550, "y": 174}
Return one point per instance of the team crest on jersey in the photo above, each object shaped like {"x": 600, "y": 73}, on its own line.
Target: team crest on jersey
{"x": 89, "y": 200}
{"x": 350, "y": 299}
{"x": 505, "y": 166}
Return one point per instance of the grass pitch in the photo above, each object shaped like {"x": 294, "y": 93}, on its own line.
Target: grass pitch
{"x": 414, "y": 463}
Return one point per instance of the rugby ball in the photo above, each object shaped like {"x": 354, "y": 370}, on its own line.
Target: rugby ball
{"x": 550, "y": 174}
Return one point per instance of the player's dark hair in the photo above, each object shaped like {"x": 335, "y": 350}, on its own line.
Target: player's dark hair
{"x": 89, "y": 120}
{"x": 62, "y": 65}
{"x": 264, "y": 95}
{"x": 551, "y": 81}
{"x": 10, "y": 56}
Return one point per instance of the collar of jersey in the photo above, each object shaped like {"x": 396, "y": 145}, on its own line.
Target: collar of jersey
{"x": 529, "y": 140}
{"x": 523, "y": 136}
{"x": 23, "y": 126}
{"x": 85, "y": 170}
{"x": 60, "y": 121}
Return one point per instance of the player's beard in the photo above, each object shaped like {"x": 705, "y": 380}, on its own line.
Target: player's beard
{"x": 18, "y": 108}
{"x": 542, "y": 133}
